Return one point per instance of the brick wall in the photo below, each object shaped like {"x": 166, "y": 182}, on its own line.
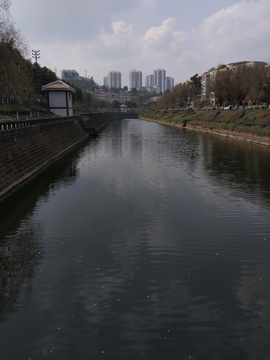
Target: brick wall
{"x": 25, "y": 150}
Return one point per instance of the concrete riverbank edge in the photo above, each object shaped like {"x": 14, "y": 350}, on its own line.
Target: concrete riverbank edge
{"x": 238, "y": 135}
{"x": 28, "y": 147}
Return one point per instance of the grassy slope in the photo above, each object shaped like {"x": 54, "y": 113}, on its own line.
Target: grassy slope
{"x": 253, "y": 122}
{"x": 8, "y": 112}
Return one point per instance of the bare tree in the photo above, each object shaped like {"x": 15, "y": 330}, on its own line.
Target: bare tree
{"x": 14, "y": 71}
{"x": 167, "y": 101}
{"x": 240, "y": 84}
{"x": 219, "y": 86}
{"x": 232, "y": 86}
{"x": 181, "y": 94}
{"x": 8, "y": 30}
{"x": 261, "y": 81}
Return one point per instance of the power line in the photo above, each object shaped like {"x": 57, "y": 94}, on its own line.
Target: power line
{"x": 49, "y": 66}
{"x": 45, "y": 61}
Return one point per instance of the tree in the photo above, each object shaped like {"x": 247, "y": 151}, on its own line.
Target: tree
{"x": 131, "y": 104}
{"x": 166, "y": 101}
{"x": 196, "y": 80}
{"x": 178, "y": 97}
{"x": 232, "y": 86}
{"x": 78, "y": 95}
{"x": 9, "y": 32}
{"x": 16, "y": 79}
{"x": 195, "y": 88}
{"x": 261, "y": 82}
{"x": 89, "y": 102}
{"x": 134, "y": 91}
{"x": 116, "y": 104}
{"x": 41, "y": 76}
{"x": 222, "y": 87}
{"x": 14, "y": 70}
{"x": 84, "y": 83}
{"x": 181, "y": 92}
{"x": 240, "y": 85}
{"x": 221, "y": 66}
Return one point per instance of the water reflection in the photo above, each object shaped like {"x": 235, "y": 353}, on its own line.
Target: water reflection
{"x": 21, "y": 248}
{"x": 242, "y": 166}
{"x": 150, "y": 250}
{"x": 19, "y": 257}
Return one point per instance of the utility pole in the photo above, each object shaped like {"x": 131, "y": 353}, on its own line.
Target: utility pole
{"x": 36, "y": 54}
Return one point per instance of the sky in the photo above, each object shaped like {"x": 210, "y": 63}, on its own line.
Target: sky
{"x": 184, "y": 37}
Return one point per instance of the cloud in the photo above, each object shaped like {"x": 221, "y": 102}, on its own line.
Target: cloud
{"x": 71, "y": 21}
{"x": 102, "y": 35}
{"x": 179, "y": 37}
{"x": 159, "y": 37}
{"x": 121, "y": 35}
{"x": 237, "y": 32}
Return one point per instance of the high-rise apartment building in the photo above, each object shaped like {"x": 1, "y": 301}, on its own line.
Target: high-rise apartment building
{"x": 135, "y": 79}
{"x": 105, "y": 81}
{"x": 169, "y": 83}
{"x": 159, "y": 79}
{"x": 114, "y": 79}
{"x": 149, "y": 81}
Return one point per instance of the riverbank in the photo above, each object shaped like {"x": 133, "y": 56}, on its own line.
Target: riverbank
{"x": 247, "y": 125}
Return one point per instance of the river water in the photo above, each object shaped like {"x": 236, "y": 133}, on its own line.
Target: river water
{"x": 148, "y": 242}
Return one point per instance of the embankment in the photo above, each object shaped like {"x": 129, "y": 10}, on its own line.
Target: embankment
{"x": 28, "y": 147}
{"x": 247, "y": 125}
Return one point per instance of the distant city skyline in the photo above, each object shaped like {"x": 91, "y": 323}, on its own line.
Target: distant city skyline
{"x": 156, "y": 81}
{"x": 182, "y": 37}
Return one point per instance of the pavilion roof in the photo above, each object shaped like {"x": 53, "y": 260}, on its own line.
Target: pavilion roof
{"x": 58, "y": 85}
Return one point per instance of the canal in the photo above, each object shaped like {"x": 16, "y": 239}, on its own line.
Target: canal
{"x": 148, "y": 242}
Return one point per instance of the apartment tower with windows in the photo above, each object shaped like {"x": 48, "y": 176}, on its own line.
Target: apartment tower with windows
{"x": 114, "y": 79}
{"x": 135, "y": 79}
{"x": 159, "y": 79}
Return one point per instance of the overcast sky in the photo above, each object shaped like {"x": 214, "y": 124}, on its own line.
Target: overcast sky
{"x": 184, "y": 37}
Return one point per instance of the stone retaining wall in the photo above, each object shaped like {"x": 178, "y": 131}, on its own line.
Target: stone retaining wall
{"x": 26, "y": 147}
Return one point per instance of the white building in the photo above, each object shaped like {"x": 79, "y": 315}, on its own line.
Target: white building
{"x": 59, "y": 98}
{"x": 159, "y": 79}
{"x": 149, "y": 81}
{"x": 123, "y": 108}
{"x": 242, "y": 64}
{"x": 169, "y": 83}
{"x": 206, "y": 79}
{"x": 105, "y": 81}
{"x": 114, "y": 79}
{"x": 121, "y": 96}
{"x": 135, "y": 79}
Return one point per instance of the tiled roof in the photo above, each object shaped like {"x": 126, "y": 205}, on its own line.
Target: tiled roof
{"x": 58, "y": 86}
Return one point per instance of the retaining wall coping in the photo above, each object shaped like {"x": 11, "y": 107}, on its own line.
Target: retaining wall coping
{"x": 17, "y": 124}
